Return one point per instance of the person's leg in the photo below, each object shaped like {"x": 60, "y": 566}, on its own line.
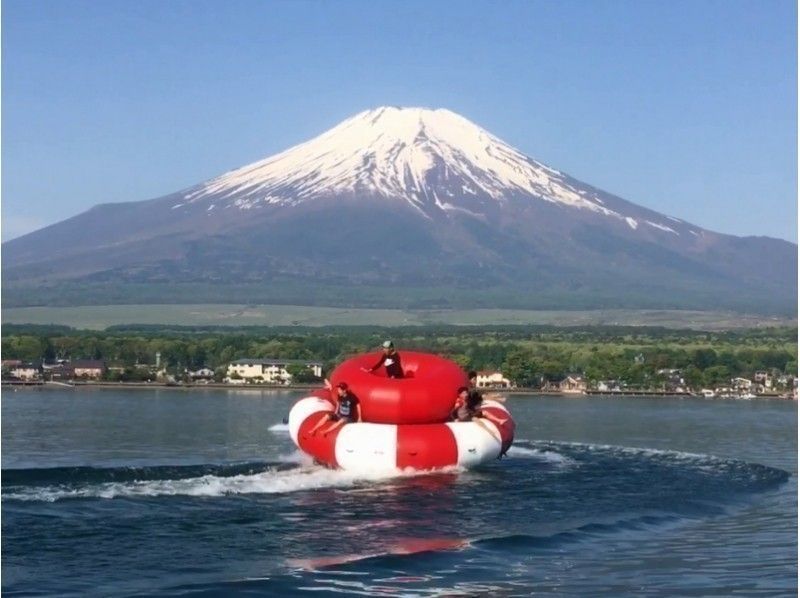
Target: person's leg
{"x": 323, "y": 420}
{"x": 337, "y": 424}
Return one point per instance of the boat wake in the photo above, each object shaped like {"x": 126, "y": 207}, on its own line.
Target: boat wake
{"x": 563, "y": 467}
{"x": 266, "y": 478}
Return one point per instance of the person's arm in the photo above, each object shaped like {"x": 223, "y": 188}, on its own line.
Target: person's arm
{"x": 454, "y": 411}
{"x": 357, "y": 405}
{"x": 377, "y": 365}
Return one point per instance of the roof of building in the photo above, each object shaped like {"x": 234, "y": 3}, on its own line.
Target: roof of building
{"x": 87, "y": 364}
{"x": 28, "y": 365}
{"x": 249, "y": 361}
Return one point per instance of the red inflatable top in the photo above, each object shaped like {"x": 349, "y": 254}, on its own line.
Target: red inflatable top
{"x": 425, "y": 396}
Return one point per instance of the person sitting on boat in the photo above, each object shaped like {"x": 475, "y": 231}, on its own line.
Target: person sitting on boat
{"x": 347, "y": 411}
{"x": 390, "y": 359}
{"x": 468, "y": 408}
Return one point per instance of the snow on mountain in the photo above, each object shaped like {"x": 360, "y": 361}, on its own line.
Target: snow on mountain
{"x": 429, "y": 158}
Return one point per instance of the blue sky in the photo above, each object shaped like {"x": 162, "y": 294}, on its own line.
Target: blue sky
{"x": 686, "y": 107}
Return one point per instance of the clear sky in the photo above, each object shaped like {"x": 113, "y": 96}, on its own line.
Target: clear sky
{"x": 686, "y": 107}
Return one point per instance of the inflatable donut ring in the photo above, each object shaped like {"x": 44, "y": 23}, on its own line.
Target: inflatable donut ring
{"x": 389, "y": 447}
{"x": 424, "y": 396}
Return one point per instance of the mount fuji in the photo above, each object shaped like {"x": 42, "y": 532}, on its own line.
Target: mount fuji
{"x": 399, "y": 207}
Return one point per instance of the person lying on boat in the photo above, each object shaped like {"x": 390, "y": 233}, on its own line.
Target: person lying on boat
{"x": 390, "y": 359}
{"x": 347, "y": 411}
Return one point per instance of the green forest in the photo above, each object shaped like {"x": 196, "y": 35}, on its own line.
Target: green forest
{"x": 528, "y": 355}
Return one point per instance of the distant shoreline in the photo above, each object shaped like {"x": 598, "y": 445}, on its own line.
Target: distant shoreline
{"x": 100, "y": 317}
{"x": 294, "y": 387}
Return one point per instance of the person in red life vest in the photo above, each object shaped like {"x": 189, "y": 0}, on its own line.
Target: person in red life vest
{"x": 390, "y": 360}
{"x": 347, "y": 411}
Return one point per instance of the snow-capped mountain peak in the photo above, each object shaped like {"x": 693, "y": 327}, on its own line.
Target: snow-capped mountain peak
{"x": 413, "y": 199}
{"x": 426, "y": 157}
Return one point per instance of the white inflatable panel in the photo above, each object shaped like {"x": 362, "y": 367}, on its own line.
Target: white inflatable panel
{"x": 475, "y": 444}
{"x": 371, "y": 447}
{"x": 302, "y": 409}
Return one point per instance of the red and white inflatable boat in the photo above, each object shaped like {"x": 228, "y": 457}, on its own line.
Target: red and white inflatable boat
{"x": 405, "y": 420}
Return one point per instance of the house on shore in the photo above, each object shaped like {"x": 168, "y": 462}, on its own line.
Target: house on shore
{"x": 268, "y": 371}
{"x": 610, "y": 386}
{"x": 203, "y": 374}
{"x": 80, "y": 369}
{"x": 20, "y": 370}
{"x": 763, "y": 378}
{"x": 573, "y": 384}
{"x": 741, "y": 383}
{"x": 492, "y": 379}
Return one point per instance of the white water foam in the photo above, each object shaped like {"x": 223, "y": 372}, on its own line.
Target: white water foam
{"x": 521, "y": 452}
{"x": 297, "y": 457}
{"x": 272, "y": 481}
{"x": 268, "y": 482}
{"x": 647, "y": 452}
{"x": 279, "y": 428}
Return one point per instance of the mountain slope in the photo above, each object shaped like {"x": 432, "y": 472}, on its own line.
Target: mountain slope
{"x": 395, "y": 198}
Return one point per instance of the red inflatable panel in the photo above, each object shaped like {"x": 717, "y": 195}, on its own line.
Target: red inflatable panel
{"x": 424, "y": 446}
{"x": 323, "y": 448}
{"x": 426, "y": 395}
{"x": 507, "y": 429}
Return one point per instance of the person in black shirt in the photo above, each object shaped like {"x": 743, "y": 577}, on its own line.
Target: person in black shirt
{"x": 473, "y": 386}
{"x": 347, "y": 411}
{"x": 390, "y": 360}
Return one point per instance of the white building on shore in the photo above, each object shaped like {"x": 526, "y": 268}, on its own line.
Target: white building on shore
{"x": 267, "y": 371}
{"x": 492, "y": 379}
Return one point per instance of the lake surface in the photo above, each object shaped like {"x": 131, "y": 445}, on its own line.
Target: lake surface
{"x": 201, "y": 493}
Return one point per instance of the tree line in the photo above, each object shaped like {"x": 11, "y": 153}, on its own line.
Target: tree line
{"x": 528, "y": 355}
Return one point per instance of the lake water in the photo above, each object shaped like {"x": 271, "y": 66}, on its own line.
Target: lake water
{"x": 201, "y": 493}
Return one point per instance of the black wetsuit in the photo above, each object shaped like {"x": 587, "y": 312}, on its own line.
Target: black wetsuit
{"x": 346, "y": 408}
{"x": 394, "y": 369}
